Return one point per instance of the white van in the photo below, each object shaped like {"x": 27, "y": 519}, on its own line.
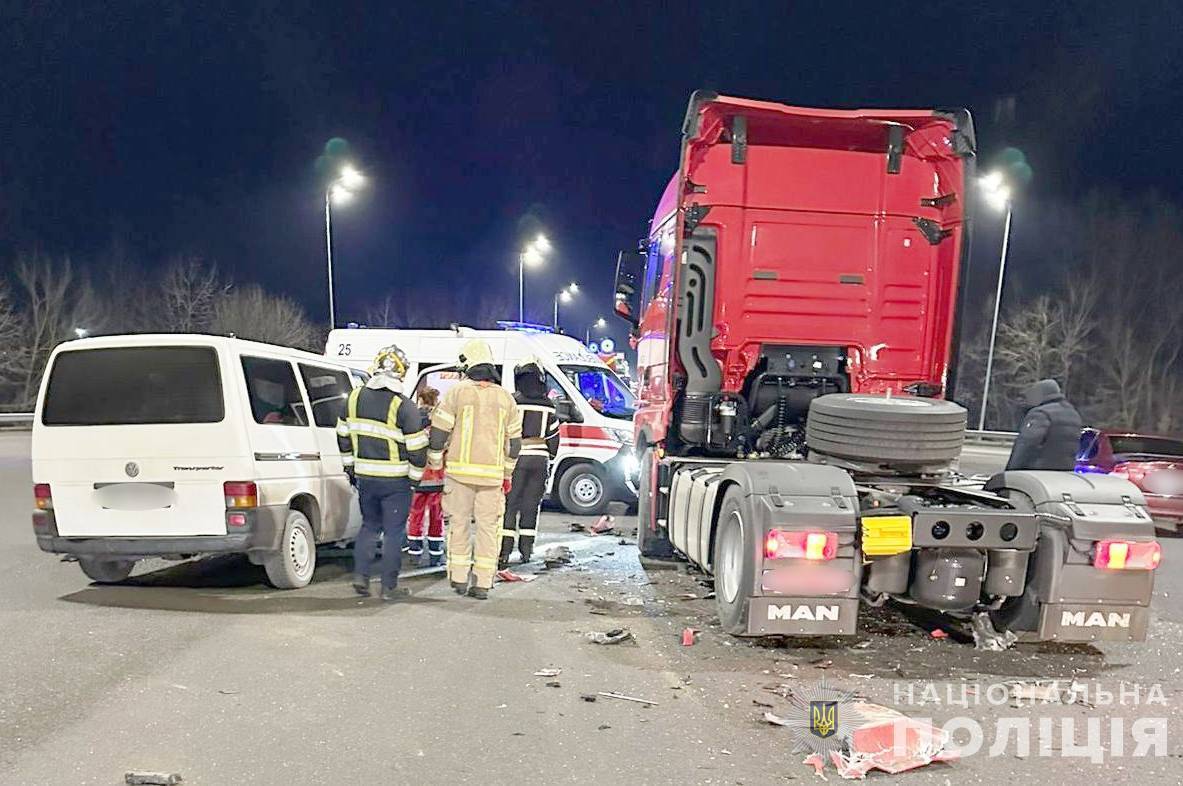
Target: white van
{"x": 595, "y": 464}
{"x": 178, "y": 445}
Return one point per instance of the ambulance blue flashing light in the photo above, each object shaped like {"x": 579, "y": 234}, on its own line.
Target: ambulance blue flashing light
{"x": 524, "y": 327}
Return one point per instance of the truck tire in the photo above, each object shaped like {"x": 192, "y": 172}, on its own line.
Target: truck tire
{"x": 653, "y": 543}
{"x": 898, "y": 431}
{"x": 293, "y": 565}
{"x": 734, "y": 561}
{"x": 106, "y": 571}
{"x": 583, "y": 490}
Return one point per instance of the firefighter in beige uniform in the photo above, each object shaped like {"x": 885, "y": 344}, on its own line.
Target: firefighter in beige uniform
{"x": 479, "y": 428}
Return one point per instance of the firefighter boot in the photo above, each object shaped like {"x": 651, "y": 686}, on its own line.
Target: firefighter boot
{"x": 478, "y": 592}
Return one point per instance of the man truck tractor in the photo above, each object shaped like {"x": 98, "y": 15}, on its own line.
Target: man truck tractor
{"x": 793, "y": 310}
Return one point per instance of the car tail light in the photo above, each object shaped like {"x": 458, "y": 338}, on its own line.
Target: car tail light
{"x": 42, "y": 497}
{"x": 812, "y": 545}
{"x": 1127, "y": 555}
{"x": 1134, "y": 474}
{"x": 241, "y": 495}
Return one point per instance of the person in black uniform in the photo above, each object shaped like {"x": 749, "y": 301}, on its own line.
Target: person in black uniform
{"x": 540, "y": 444}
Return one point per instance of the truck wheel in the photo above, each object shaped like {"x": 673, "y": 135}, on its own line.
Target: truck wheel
{"x": 654, "y": 543}
{"x": 898, "y": 431}
{"x": 735, "y": 565}
{"x": 292, "y": 566}
{"x": 106, "y": 571}
{"x": 583, "y": 490}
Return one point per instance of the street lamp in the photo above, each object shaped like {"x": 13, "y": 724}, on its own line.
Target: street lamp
{"x": 599, "y": 324}
{"x": 564, "y": 296}
{"x": 532, "y": 254}
{"x": 338, "y": 192}
{"x": 997, "y": 194}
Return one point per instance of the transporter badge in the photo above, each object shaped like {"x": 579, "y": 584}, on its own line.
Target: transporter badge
{"x": 132, "y": 469}
{"x": 822, "y": 720}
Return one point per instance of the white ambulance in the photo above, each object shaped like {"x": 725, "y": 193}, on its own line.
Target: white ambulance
{"x": 595, "y": 464}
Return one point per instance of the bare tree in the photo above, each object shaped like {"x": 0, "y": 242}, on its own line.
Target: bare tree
{"x": 190, "y": 293}
{"x": 58, "y": 302}
{"x": 252, "y": 313}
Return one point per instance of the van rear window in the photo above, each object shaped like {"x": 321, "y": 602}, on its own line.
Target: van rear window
{"x": 134, "y": 385}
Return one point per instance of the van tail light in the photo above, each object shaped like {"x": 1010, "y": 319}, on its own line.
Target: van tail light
{"x": 241, "y": 495}
{"x": 42, "y": 497}
{"x": 1127, "y": 555}
{"x": 811, "y": 545}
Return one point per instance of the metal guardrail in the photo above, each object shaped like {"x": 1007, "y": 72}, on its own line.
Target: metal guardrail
{"x": 16, "y": 420}
{"x": 999, "y": 439}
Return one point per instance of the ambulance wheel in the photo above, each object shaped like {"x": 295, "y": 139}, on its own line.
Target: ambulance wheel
{"x": 652, "y": 541}
{"x": 583, "y": 490}
{"x": 106, "y": 571}
{"x": 735, "y": 543}
{"x": 292, "y": 566}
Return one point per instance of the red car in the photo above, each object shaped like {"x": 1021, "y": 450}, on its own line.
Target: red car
{"x": 1153, "y": 464}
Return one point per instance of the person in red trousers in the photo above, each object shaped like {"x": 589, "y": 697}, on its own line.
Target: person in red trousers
{"x": 426, "y": 505}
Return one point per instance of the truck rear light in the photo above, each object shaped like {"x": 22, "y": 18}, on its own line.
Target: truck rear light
{"x": 811, "y": 545}
{"x": 241, "y": 495}
{"x": 42, "y": 497}
{"x": 1127, "y": 555}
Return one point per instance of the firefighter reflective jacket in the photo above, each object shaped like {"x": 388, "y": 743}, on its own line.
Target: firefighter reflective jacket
{"x": 383, "y": 434}
{"x": 540, "y": 426}
{"x": 478, "y": 427}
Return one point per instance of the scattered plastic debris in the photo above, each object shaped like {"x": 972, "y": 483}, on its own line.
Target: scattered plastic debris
{"x": 689, "y": 636}
{"x": 589, "y": 697}
{"x": 986, "y": 636}
{"x": 152, "y": 778}
{"x": 614, "y": 636}
{"x": 556, "y": 556}
{"x": 821, "y": 663}
{"x": 631, "y": 601}
{"x": 603, "y": 727}
{"x": 939, "y": 634}
{"x": 890, "y": 741}
{"x": 548, "y": 672}
{"x": 600, "y": 526}
{"x": 622, "y": 697}
{"x": 554, "y": 684}
{"x": 510, "y": 576}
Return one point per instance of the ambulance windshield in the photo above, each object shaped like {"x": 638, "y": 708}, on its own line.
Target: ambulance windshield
{"x": 603, "y": 390}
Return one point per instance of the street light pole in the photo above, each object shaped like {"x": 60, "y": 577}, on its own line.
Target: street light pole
{"x": 329, "y": 254}
{"x": 521, "y": 286}
{"x": 994, "y": 322}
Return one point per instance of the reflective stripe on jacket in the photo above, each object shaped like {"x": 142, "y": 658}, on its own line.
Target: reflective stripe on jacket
{"x": 382, "y": 435}
{"x": 478, "y": 427}
{"x": 540, "y": 427}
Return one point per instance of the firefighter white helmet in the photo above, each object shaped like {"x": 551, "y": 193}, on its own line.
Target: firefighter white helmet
{"x": 390, "y": 360}
{"x": 475, "y": 353}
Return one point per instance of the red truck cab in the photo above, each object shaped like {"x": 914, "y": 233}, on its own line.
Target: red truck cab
{"x": 820, "y": 252}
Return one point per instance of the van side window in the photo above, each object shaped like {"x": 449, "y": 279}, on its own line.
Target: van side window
{"x": 273, "y": 392}
{"x": 328, "y": 391}
{"x": 442, "y": 379}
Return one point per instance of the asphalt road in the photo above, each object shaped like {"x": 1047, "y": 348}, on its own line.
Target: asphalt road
{"x": 203, "y": 670}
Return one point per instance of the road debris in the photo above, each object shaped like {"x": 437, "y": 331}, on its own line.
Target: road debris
{"x": 509, "y": 576}
{"x": 554, "y": 684}
{"x": 689, "y": 636}
{"x": 632, "y": 601}
{"x": 622, "y": 697}
{"x": 1027, "y": 693}
{"x": 557, "y": 556}
{"x": 152, "y": 778}
{"x": 548, "y": 672}
{"x": 939, "y": 634}
{"x": 986, "y": 636}
{"x": 603, "y": 727}
{"x": 588, "y": 697}
{"x": 614, "y": 636}
{"x": 821, "y": 663}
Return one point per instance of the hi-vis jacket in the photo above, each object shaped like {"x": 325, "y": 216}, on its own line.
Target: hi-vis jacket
{"x": 382, "y": 435}
{"x": 479, "y": 428}
{"x": 540, "y": 426}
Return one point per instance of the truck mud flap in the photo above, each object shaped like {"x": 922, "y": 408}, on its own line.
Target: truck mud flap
{"x": 1080, "y": 622}
{"x": 802, "y": 616}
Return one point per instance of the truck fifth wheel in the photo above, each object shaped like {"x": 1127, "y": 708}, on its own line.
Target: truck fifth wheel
{"x": 793, "y": 309}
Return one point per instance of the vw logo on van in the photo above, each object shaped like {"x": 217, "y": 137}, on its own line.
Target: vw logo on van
{"x": 132, "y": 469}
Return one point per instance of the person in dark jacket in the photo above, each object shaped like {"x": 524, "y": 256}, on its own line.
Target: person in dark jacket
{"x": 1050, "y": 433}
{"x": 540, "y": 444}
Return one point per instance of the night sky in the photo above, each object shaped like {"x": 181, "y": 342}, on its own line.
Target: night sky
{"x": 148, "y": 129}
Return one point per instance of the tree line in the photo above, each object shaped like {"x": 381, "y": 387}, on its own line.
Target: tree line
{"x": 46, "y": 301}
{"x": 1110, "y": 331}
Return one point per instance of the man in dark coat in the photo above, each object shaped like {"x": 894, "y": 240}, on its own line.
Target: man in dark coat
{"x": 1050, "y": 433}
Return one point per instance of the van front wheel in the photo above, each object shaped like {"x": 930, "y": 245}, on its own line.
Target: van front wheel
{"x": 292, "y": 566}
{"x": 106, "y": 571}
{"x": 583, "y": 490}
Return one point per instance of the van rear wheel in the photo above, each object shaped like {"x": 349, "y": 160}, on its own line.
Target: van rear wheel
{"x": 106, "y": 571}
{"x": 293, "y": 565}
